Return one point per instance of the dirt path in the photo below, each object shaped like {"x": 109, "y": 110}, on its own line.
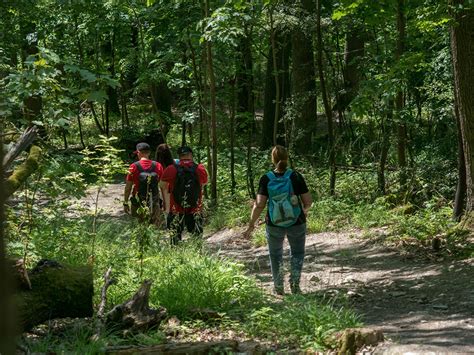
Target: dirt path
{"x": 421, "y": 306}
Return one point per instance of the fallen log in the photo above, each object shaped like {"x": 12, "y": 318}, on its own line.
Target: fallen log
{"x": 135, "y": 314}
{"x": 57, "y": 291}
{"x": 214, "y": 347}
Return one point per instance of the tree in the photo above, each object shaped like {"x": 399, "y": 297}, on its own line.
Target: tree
{"x": 303, "y": 78}
{"x": 327, "y": 105}
{"x": 462, "y": 48}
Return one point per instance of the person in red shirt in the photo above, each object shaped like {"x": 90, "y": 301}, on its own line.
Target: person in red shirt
{"x": 132, "y": 184}
{"x": 185, "y": 181}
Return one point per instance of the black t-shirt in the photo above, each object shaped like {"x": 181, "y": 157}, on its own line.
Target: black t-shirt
{"x": 299, "y": 188}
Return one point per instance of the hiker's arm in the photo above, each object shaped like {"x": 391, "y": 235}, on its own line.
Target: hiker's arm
{"x": 128, "y": 190}
{"x": 307, "y": 201}
{"x": 258, "y": 207}
{"x": 163, "y": 184}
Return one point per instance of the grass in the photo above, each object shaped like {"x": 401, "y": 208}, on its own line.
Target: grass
{"x": 303, "y": 320}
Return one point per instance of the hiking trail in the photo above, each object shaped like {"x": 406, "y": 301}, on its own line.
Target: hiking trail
{"x": 421, "y": 306}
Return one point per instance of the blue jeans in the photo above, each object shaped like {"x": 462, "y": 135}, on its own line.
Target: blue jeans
{"x": 296, "y": 238}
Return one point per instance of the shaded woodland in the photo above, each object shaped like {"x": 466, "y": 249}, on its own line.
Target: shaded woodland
{"x": 373, "y": 99}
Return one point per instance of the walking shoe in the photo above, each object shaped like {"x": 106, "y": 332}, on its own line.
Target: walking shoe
{"x": 295, "y": 289}
{"x": 279, "y": 290}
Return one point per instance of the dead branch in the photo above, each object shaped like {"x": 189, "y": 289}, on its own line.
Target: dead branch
{"x": 25, "y": 140}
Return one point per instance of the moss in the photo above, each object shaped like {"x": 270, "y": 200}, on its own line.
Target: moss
{"x": 23, "y": 171}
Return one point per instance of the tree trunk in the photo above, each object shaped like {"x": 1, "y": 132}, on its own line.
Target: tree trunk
{"x": 353, "y": 53}
{"x": 96, "y": 119}
{"x": 7, "y": 326}
{"x": 327, "y": 106}
{"x": 79, "y": 124}
{"x": 460, "y": 197}
{"x": 57, "y": 291}
{"x": 462, "y": 46}
{"x": 232, "y": 138}
{"x": 399, "y": 101}
{"x": 385, "y": 145}
{"x": 303, "y": 83}
{"x": 212, "y": 93}
{"x": 276, "y": 115}
{"x": 135, "y": 314}
{"x": 283, "y": 54}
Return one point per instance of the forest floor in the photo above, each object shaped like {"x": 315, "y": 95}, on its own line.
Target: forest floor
{"x": 422, "y": 305}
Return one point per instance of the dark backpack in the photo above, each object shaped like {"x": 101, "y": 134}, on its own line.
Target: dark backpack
{"x": 187, "y": 188}
{"x": 147, "y": 182}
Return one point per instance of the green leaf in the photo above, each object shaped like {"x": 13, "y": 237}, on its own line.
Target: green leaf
{"x": 87, "y": 75}
{"x": 97, "y": 96}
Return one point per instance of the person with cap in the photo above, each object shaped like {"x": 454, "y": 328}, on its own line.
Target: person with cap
{"x": 185, "y": 181}
{"x": 141, "y": 187}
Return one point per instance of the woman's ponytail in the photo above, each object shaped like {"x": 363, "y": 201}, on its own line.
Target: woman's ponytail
{"x": 280, "y": 158}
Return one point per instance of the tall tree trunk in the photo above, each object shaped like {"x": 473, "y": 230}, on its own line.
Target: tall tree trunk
{"x": 212, "y": 93}
{"x": 79, "y": 124}
{"x": 385, "y": 145}
{"x": 276, "y": 115}
{"x": 303, "y": 82}
{"x": 283, "y": 54}
{"x": 460, "y": 197}
{"x": 327, "y": 106}
{"x": 462, "y": 46}
{"x": 353, "y": 53}
{"x": 96, "y": 119}
{"x": 33, "y": 105}
{"x": 232, "y": 110}
{"x": 399, "y": 101}
{"x": 7, "y": 327}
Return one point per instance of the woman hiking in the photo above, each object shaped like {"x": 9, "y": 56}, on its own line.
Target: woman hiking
{"x": 288, "y": 200}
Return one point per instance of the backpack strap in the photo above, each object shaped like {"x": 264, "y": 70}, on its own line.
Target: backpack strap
{"x": 288, "y": 173}
{"x": 149, "y": 170}
{"x": 139, "y": 166}
{"x": 271, "y": 175}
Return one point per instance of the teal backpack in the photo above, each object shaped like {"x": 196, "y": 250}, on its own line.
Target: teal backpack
{"x": 283, "y": 205}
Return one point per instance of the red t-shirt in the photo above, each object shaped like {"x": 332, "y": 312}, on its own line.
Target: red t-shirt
{"x": 169, "y": 175}
{"x": 133, "y": 172}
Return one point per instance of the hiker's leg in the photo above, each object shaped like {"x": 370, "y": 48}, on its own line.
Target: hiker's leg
{"x": 134, "y": 206}
{"x": 169, "y": 220}
{"x": 296, "y": 239}
{"x": 275, "y": 238}
{"x": 177, "y": 226}
{"x": 157, "y": 214}
{"x": 194, "y": 226}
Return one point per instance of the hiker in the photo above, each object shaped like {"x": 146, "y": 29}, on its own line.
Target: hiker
{"x": 185, "y": 181}
{"x": 288, "y": 200}
{"x": 142, "y": 183}
{"x": 165, "y": 158}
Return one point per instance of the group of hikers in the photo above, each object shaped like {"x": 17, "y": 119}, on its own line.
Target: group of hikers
{"x": 170, "y": 191}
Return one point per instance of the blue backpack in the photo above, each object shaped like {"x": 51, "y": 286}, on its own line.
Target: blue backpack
{"x": 283, "y": 205}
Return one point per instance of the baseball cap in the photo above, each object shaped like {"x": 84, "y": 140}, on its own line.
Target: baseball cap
{"x": 142, "y": 147}
{"x": 184, "y": 150}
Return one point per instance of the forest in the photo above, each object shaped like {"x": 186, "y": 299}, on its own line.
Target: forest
{"x": 372, "y": 100}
